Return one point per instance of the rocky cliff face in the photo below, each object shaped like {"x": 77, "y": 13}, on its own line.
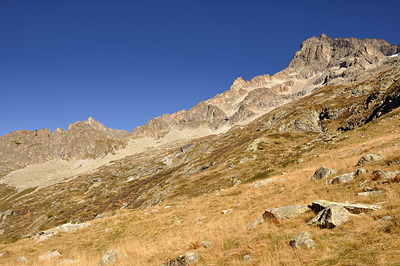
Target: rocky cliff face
{"x": 320, "y": 61}
{"x": 325, "y": 54}
{"x": 84, "y": 139}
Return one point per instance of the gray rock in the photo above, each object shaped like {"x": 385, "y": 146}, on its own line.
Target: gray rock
{"x": 188, "y": 258}
{"x": 304, "y": 239}
{"x": 380, "y": 175}
{"x": 276, "y": 214}
{"x": 385, "y": 218}
{"x": 68, "y": 227}
{"x": 110, "y": 258}
{"x": 330, "y": 217}
{"x": 256, "y": 223}
{"x": 369, "y": 158}
{"x": 371, "y": 193}
{"x": 49, "y": 255}
{"x": 318, "y": 205}
{"x": 360, "y": 171}
{"x": 206, "y": 244}
{"x": 322, "y": 173}
{"x": 247, "y": 258}
{"x": 22, "y": 259}
{"x": 345, "y": 178}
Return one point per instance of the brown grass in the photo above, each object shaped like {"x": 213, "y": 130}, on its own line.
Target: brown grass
{"x": 152, "y": 237}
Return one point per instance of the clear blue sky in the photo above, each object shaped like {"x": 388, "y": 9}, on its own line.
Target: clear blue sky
{"x": 125, "y": 62}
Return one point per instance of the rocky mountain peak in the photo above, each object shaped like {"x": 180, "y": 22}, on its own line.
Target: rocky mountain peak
{"x": 320, "y": 61}
{"x": 238, "y": 83}
{"x": 320, "y": 53}
{"x": 89, "y": 122}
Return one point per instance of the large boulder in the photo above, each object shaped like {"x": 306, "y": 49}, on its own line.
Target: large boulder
{"x": 189, "y": 258}
{"x": 345, "y": 178}
{"x": 304, "y": 239}
{"x": 276, "y": 214}
{"x": 380, "y": 175}
{"x": 330, "y": 217}
{"x": 319, "y": 205}
{"x": 322, "y": 173}
{"x": 369, "y": 158}
{"x": 360, "y": 171}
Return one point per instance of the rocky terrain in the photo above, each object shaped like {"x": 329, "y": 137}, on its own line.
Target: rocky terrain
{"x": 87, "y": 139}
{"x": 275, "y": 171}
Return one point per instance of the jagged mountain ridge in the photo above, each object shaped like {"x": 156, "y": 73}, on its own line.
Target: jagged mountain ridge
{"x": 320, "y": 61}
{"x": 83, "y": 139}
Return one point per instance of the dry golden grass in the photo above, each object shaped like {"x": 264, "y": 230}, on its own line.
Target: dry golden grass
{"x": 152, "y": 237}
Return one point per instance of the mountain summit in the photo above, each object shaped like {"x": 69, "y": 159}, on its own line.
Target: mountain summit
{"x": 321, "y": 60}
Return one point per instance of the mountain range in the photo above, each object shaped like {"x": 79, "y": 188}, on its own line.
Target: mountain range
{"x": 333, "y": 90}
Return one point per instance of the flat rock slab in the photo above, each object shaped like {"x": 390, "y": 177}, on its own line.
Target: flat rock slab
{"x": 345, "y": 178}
{"x": 276, "y": 214}
{"x": 330, "y": 217}
{"x": 304, "y": 239}
{"x": 369, "y": 158}
{"x": 68, "y": 227}
{"x": 319, "y": 205}
{"x": 371, "y": 193}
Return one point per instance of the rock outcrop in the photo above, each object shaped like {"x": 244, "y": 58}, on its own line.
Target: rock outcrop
{"x": 304, "y": 239}
{"x": 322, "y": 173}
{"x": 345, "y": 178}
{"x": 276, "y": 214}
{"x": 369, "y": 158}
{"x": 68, "y": 227}
{"x": 320, "y": 205}
{"x": 318, "y": 54}
{"x": 330, "y": 217}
